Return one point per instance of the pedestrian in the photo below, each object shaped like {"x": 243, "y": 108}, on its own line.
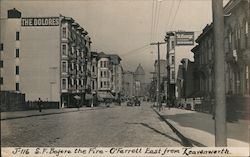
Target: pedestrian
{"x": 39, "y": 103}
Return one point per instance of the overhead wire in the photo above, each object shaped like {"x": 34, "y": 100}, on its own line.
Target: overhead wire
{"x": 138, "y": 51}
{"x": 134, "y": 50}
{"x": 170, "y": 13}
{"x": 152, "y": 20}
{"x": 175, "y": 14}
{"x": 157, "y": 18}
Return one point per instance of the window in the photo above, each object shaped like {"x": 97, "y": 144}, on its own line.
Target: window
{"x": 173, "y": 75}
{"x": 64, "y": 83}
{"x": 246, "y": 26}
{"x": 93, "y": 85}
{"x": 17, "y": 70}
{"x": 1, "y": 47}
{"x": 1, "y": 64}
{"x": 64, "y": 32}
{"x": 101, "y": 84}
{"x": 172, "y": 59}
{"x": 17, "y": 87}
{"x": 77, "y": 67}
{"x": 64, "y": 49}
{"x": 247, "y": 80}
{"x": 1, "y": 80}
{"x": 93, "y": 68}
{"x": 230, "y": 37}
{"x": 101, "y": 73}
{"x": 17, "y": 53}
{"x": 72, "y": 66}
{"x": 101, "y": 64}
{"x": 64, "y": 66}
{"x": 172, "y": 44}
{"x": 17, "y": 35}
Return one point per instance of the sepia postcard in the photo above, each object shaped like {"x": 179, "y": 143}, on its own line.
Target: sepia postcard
{"x": 124, "y": 78}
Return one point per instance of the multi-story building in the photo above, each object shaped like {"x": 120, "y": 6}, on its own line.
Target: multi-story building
{"x": 47, "y": 57}
{"x": 116, "y": 75}
{"x": 163, "y": 77}
{"x": 237, "y": 58}
{"x": 185, "y": 84}
{"x": 94, "y": 61}
{"x": 139, "y": 79}
{"x": 128, "y": 84}
{"x": 109, "y": 76}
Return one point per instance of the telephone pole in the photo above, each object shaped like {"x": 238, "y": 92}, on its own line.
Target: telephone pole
{"x": 220, "y": 105}
{"x": 158, "y": 74}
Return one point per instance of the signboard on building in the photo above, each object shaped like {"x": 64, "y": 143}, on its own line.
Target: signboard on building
{"x": 184, "y": 38}
{"x": 40, "y": 21}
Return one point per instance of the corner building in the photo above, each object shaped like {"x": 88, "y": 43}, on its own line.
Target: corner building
{"x": 44, "y": 57}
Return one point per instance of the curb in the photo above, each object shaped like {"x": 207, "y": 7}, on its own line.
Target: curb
{"x": 186, "y": 142}
{"x": 44, "y": 114}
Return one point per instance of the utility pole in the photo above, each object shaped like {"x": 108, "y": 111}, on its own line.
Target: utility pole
{"x": 158, "y": 74}
{"x": 220, "y": 105}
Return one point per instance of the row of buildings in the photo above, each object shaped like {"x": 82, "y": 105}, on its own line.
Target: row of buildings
{"x": 134, "y": 83}
{"x": 196, "y": 80}
{"x": 50, "y": 58}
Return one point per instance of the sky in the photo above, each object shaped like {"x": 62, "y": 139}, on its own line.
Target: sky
{"x": 125, "y": 27}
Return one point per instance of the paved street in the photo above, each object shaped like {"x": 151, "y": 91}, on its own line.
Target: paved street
{"x": 114, "y": 126}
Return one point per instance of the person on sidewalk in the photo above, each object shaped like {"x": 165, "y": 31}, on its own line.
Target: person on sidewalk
{"x": 39, "y": 103}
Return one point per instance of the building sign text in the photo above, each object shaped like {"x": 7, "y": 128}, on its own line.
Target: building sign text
{"x": 184, "y": 38}
{"x": 40, "y": 21}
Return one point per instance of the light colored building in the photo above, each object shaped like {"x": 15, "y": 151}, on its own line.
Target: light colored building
{"x": 109, "y": 77}
{"x": 48, "y": 58}
{"x": 139, "y": 78}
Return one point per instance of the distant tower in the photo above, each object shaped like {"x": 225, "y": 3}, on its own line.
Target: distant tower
{"x": 139, "y": 77}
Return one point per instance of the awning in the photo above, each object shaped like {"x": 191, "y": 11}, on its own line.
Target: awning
{"x": 105, "y": 95}
{"x": 88, "y": 96}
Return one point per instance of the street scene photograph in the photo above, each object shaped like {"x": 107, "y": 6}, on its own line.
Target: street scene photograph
{"x": 124, "y": 73}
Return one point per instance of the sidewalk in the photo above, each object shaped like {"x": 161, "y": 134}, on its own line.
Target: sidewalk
{"x": 32, "y": 113}
{"x": 198, "y": 128}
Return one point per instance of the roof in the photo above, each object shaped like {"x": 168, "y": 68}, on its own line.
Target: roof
{"x": 115, "y": 59}
{"x": 139, "y": 70}
{"x": 13, "y": 13}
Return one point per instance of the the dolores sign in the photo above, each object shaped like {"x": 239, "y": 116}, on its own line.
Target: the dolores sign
{"x": 184, "y": 38}
{"x": 40, "y": 21}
